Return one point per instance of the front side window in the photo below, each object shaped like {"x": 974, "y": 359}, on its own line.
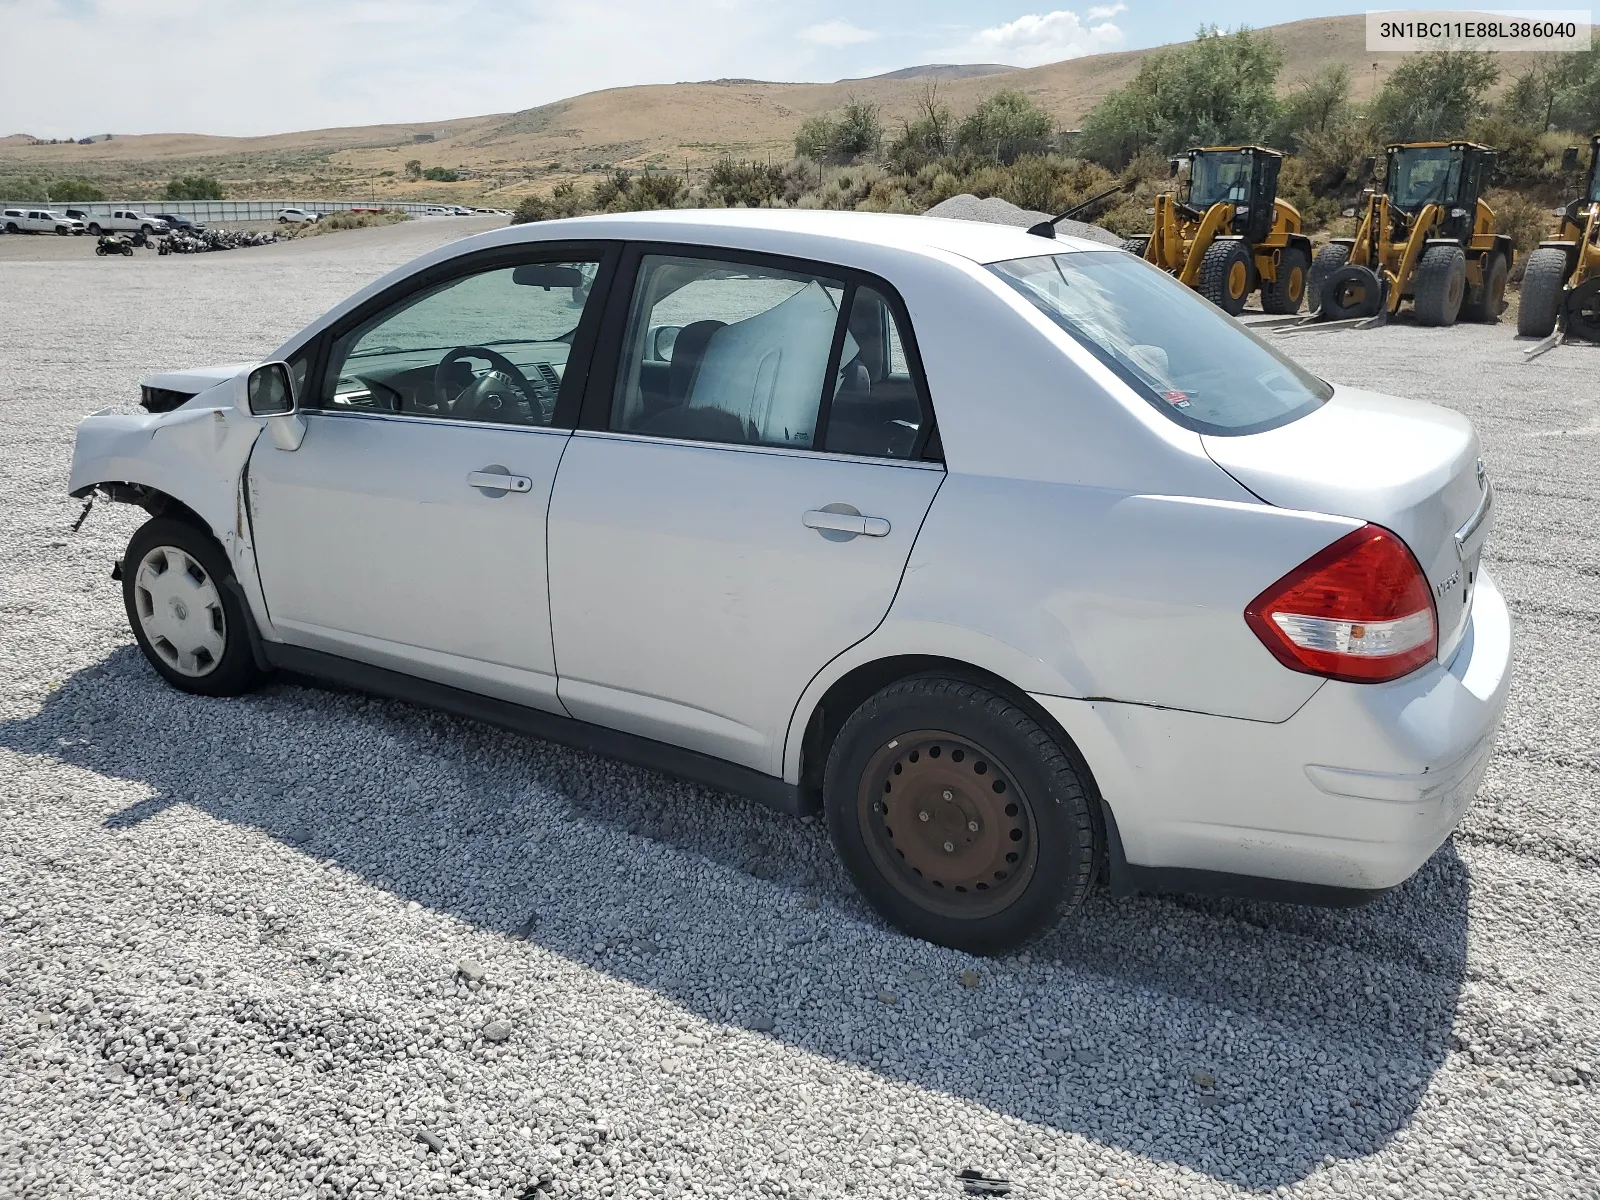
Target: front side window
{"x": 1418, "y": 177}
{"x": 491, "y": 346}
{"x": 1215, "y": 177}
{"x": 1187, "y": 358}
{"x": 722, "y": 351}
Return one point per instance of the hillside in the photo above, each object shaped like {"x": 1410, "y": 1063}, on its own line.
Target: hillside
{"x": 669, "y": 125}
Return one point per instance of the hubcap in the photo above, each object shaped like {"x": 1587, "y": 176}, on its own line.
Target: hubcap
{"x": 947, "y": 824}
{"x": 1238, "y": 275}
{"x": 180, "y": 611}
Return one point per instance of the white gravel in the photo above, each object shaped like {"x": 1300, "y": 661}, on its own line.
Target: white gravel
{"x": 967, "y": 207}
{"x": 312, "y": 944}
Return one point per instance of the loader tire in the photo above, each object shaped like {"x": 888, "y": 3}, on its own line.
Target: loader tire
{"x": 1542, "y": 284}
{"x": 1227, "y": 275}
{"x": 1488, "y": 300}
{"x": 1441, "y": 285}
{"x": 1283, "y": 296}
{"x": 1329, "y": 259}
{"x": 1136, "y": 245}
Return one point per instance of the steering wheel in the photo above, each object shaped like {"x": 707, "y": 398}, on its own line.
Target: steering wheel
{"x": 490, "y": 398}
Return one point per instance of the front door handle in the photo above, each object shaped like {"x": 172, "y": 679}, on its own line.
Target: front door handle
{"x": 841, "y": 518}
{"x": 498, "y": 479}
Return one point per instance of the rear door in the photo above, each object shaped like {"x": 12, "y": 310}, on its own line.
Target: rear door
{"x": 712, "y": 544}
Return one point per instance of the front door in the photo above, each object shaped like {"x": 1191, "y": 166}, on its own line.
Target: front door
{"x": 407, "y": 530}
{"x": 745, "y": 512}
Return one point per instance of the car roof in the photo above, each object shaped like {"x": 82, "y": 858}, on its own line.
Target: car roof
{"x": 979, "y": 241}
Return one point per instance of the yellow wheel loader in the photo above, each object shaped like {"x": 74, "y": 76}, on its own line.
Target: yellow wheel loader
{"x": 1562, "y": 282}
{"x": 1223, "y": 231}
{"x": 1427, "y": 237}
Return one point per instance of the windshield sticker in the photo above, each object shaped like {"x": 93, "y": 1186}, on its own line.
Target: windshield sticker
{"x": 1178, "y": 399}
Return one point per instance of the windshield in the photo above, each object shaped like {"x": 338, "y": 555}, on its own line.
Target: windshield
{"x": 1187, "y": 358}
{"x": 1217, "y": 177}
{"x": 1418, "y": 177}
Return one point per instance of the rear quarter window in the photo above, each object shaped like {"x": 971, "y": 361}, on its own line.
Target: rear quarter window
{"x": 1193, "y": 363}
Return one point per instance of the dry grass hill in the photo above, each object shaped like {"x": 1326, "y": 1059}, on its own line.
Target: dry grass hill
{"x": 668, "y": 125}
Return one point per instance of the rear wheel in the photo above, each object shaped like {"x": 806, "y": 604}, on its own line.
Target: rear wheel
{"x": 11, "y": 227}
{"x": 1227, "y": 275}
{"x": 185, "y": 610}
{"x": 1542, "y": 284}
{"x": 1136, "y": 245}
{"x": 961, "y": 819}
{"x": 1329, "y": 259}
{"x": 1441, "y": 285}
{"x": 1283, "y": 295}
{"x": 1488, "y": 300}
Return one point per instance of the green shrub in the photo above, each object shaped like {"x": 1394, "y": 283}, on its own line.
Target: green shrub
{"x": 1525, "y": 220}
{"x": 855, "y": 133}
{"x": 1434, "y": 96}
{"x": 441, "y": 175}
{"x": 194, "y": 187}
{"x": 1006, "y": 126}
{"x": 655, "y": 189}
{"x": 70, "y": 191}
{"x": 734, "y": 184}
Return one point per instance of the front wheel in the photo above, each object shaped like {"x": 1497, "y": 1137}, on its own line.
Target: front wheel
{"x": 1283, "y": 295}
{"x": 1544, "y": 281}
{"x": 1227, "y": 275}
{"x": 94, "y": 228}
{"x": 1440, "y": 285}
{"x": 1137, "y": 245}
{"x": 185, "y": 610}
{"x": 962, "y": 820}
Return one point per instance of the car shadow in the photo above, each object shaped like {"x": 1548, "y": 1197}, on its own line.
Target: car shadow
{"x": 1245, "y": 1041}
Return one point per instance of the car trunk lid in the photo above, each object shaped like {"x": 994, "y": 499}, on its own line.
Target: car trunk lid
{"x": 1413, "y": 468}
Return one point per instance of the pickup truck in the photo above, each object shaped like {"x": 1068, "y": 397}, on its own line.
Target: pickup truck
{"x": 38, "y": 220}
{"x": 127, "y": 220}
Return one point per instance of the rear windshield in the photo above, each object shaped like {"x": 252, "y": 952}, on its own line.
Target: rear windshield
{"x": 1185, "y": 356}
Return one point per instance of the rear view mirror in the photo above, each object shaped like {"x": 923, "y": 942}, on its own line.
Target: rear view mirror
{"x": 270, "y": 389}
{"x": 547, "y": 275}
{"x": 1569, "y": 159}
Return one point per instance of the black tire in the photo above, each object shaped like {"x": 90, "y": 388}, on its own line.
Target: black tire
{"x": 1487, "y": 301}
{"x": 94, "y": 228}
{"x": 229, "y": 673}
{"x": 1136, "y": 245}
{"x": 1439, "y": 285}
{"x": 1029, "y": 806}
{"x": 1227, "y": 275}
{"x": 1328, "y": 260}
{"x": 62, "y": 231}
{"x": 11, "y": 227}
{"x": 1349, "y": 293}
{"x": 127, "y": 250}
{"x": 147, "y": 230}
{"x": 1284, "y": 295}
{"x": 1583, "y": 310}
{"x": 100, "y": 250}
{"x": 1543, "y": 281}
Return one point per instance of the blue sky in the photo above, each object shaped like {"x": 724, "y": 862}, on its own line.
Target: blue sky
{"x": 69, "y": 68}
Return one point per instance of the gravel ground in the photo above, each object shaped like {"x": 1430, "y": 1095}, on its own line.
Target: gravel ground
{"x": 312, "y": 944}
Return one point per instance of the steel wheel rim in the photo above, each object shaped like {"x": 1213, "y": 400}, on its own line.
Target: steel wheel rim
{"x": 947, "y": 824}
{"x": 180, "y": 611}
{"x": 1297, "y": 283}
{"x": 1238, "y": 276}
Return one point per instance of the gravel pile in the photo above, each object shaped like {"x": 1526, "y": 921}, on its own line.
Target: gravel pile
{"x": 312, "y": 944}
{"x": 967, "y": 207}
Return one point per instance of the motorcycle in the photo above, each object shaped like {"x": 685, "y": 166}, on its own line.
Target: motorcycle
{"x": 113, "y": 243}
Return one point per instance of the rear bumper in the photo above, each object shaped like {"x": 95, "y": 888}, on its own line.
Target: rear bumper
{"x": 1354, "y": 792}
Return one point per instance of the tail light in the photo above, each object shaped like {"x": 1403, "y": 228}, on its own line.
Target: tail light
{"x": 1360, "y": 610}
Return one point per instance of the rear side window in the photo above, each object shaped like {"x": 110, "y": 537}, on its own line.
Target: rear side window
{"x": 1188, "y": 359}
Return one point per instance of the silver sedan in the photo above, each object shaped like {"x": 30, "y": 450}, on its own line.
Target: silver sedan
{"x": 1009, "y": 554}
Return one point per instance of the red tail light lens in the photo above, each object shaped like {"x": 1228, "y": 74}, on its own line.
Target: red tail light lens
{"x": 1361, "y": 610}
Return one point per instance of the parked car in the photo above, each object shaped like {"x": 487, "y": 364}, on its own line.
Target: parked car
{"x": 296, "y": 216}
{"x": 1012, "y": 556}
{"x": 436, "y": 210}
{"x": 128, "y": 220}
{"x": 460, "y": 211}
{"x": 181, "y": 224}
{"x": 38, "y": 220}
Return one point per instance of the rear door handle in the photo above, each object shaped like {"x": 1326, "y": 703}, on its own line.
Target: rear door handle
{"x": 500, "y": 480}
{"x": 849, "y": 521}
